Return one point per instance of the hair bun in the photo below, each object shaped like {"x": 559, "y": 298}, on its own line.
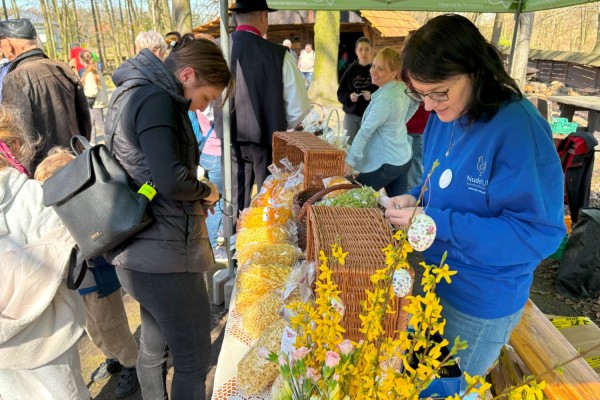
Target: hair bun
{"x": 173, "y": 39}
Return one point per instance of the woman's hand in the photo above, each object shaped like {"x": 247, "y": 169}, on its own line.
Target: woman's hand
{"x": 348, "y": 170}
{"x": 213, "y": 197}
{"x": 353, "y": 97}
{"x": 400, "y": 210}
{"x": 367, "y": 95}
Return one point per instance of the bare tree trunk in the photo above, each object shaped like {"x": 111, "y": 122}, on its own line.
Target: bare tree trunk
{"x": 596, "y": 49}
{"x": 77, "y": 30}
{"x": 497, "y": 32}
{"x": 4, "y": 9}
{"x": 113, "y": 31}
{"x": 521, "y": 53}
{"x": 50, "y": 44}
{"x": 165, "y": 17}
{"x": 131, "y": 46}
{"x": 327, "y": 39}
{"x": 68, "y": 27}
{"x": 62, "y": 29}
{"x": 98, "y": 34}
{"x": 15, "y": 9}
{"x": 182, "y": 16}
{"x": 130, "y": 7}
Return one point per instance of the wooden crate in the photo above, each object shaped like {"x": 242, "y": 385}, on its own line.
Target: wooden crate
{"x": 321, "y": 160}
{"x": 363, "y": 232}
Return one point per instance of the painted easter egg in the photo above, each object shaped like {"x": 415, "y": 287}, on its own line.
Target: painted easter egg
{"x": 402, "y": 282}
{"x": 421, "y": 232}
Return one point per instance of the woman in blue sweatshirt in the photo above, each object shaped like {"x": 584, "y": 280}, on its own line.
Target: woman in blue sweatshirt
{"x": 497, "y": 194}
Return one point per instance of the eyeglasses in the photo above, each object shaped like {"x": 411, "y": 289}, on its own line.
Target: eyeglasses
{"x": 438, "y": 97}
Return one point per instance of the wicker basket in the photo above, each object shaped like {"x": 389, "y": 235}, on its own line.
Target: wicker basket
{"x": 321, "y": 160}
{"x": 362, "y": 232}
{"x": 307, "y": 198}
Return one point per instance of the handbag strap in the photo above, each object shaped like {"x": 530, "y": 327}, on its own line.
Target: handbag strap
{"x": 72, "y": 281}
{"x": 115, "y": 122}
{"x": 12, "y": 160}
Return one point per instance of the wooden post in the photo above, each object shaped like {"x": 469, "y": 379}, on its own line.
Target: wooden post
{"x": 518, "y": 65}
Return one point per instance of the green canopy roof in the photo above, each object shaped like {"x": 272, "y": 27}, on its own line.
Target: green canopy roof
{"x": 488, "y": 6}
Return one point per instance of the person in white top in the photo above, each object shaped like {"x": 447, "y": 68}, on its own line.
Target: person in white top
{"x": 306, "y": 63}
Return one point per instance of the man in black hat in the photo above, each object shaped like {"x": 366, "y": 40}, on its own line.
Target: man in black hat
{"x": 269, "y": 96}
{"x": 46, "y": 92}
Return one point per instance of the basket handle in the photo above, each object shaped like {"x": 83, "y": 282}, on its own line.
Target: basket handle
{"x": 325, "y": 125}
{"x": 317, "y": 196}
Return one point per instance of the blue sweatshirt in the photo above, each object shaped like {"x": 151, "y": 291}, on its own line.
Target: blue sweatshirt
{"x": 502, "y": 212}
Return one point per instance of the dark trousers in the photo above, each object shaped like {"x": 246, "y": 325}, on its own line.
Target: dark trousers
{"x": 391, "y": 177}
{"x": 175, "y": 314}
{"x": 249, "y": 162}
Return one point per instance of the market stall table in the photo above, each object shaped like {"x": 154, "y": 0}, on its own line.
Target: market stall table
{"x": 570, "y": 104}
{"x": 236, "y": 343}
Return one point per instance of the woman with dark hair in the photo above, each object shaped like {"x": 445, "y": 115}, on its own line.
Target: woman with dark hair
{"x": 497, "y": 194}
{"x": 162, "y": 267}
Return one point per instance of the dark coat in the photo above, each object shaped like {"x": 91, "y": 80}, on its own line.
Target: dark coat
{"x": 50, "y": 99}
{"x": 177, "y": 239}
{"x": 257, "y": 106}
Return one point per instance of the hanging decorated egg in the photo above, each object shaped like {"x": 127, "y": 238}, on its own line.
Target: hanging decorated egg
{"x": 402, "y": 282}
{"x": 421, "y": 232}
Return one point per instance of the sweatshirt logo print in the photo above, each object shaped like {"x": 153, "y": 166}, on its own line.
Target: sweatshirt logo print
{"x": 478, "y": 184}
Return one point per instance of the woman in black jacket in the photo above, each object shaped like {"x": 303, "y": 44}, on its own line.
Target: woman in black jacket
{"x": 355, "y": 88}
{"x": 162, "y": 266}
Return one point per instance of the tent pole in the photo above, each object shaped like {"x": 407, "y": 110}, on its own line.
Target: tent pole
{"x": 513, "y": 45}
{"x": 226, "y": 145}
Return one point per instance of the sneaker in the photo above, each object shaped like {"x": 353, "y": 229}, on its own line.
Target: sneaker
{"x": 220, "y": 254}
{"x": 128, "y": 383}
{"x": 106, "y": 369}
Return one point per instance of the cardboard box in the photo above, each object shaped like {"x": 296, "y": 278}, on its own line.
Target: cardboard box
{"x": 508, "y": 372}
{"x": 583, "y": 334}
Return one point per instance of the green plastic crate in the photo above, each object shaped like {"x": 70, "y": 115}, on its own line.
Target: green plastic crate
{"x": 562, "y": 125}
{"x": 557, "y": 255}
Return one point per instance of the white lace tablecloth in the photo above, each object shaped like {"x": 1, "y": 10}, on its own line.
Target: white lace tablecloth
{"x": 236, "y": 343}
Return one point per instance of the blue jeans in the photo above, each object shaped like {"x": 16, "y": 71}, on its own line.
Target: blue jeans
{"x": 391, "y": 177}
{"x": 485, "y": 338}
{"x": 308, "y": 77}
{"x": 415, "y": 174}
{"x": 175, "y": 314}
{"x": 212, "y": 166}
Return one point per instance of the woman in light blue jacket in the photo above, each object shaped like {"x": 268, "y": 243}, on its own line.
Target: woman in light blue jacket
{"x": 382, "y": 150}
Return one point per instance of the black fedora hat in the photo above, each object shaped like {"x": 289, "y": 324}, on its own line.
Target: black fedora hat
{"x": 242, "y": 6}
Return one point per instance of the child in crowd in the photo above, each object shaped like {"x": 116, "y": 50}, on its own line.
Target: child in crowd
{"x": 106, "y": 319}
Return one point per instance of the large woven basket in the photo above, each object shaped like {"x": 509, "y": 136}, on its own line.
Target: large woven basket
{"x": 307, "y": 198}
{"x": 363, "y": 233}
{"x": 321, "y": 160}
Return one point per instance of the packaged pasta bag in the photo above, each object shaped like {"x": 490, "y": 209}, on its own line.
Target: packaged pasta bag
{"x": 263, "y": 216}
{"x": 262, "y": 313}
{"x": 332, "y": 181}
{"x": 255, "y": 280}
{"x": 263, "y": 234}
{"x": 255, "y": 373}
{"x": 263, "y": 253}
{"x": 283, "y": 194}
{"x": 298, "y": 287}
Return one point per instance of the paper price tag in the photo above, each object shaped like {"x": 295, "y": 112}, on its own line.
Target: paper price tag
{"x": 148, "y": 191}
{"x": 288, "y": 340}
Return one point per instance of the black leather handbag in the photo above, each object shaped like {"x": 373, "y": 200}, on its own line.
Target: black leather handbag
{"x": 96, "y": 200}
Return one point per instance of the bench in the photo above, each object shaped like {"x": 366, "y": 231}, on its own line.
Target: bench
{"x": 541, "y": 346}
